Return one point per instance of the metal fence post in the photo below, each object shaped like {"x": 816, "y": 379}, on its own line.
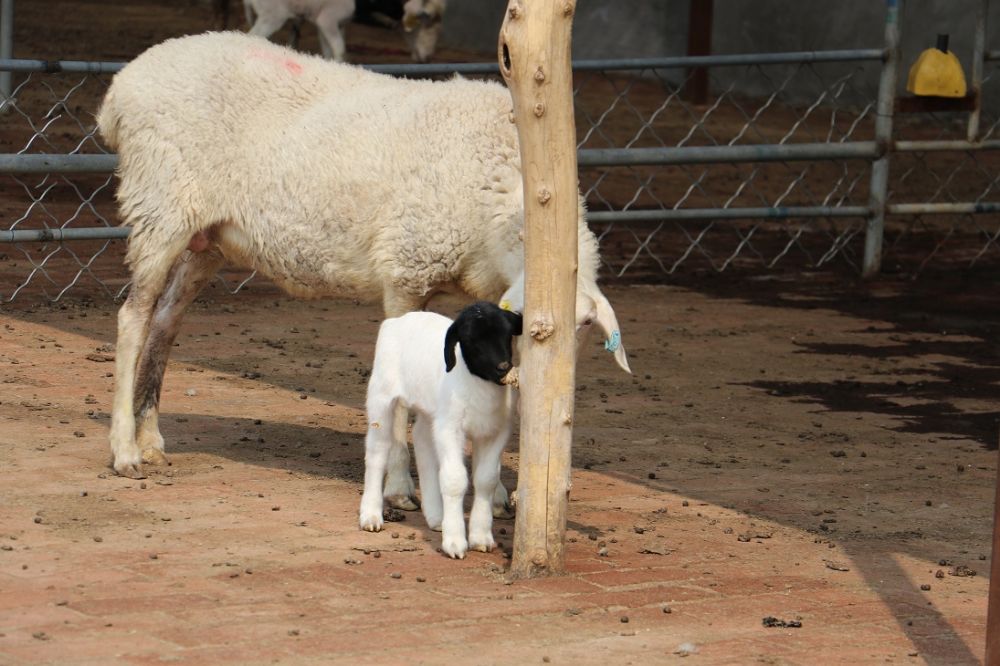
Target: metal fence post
{"x": 978, "y": 61}
{"x": 883, "y": 137}
{"x": 6, "y": 49}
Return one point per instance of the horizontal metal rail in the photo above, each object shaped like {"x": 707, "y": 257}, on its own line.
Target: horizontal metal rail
{"x": 78, "y": 234}
{"x": 673, "y": 214}
{"x": 943, "y": 208}
{"x": 586, "y": 157}
{"x": 785, "y": 152}
{"x": 780, "y": 212}
{"x": 43, "y": 163}
{"x": 432, "y": 69}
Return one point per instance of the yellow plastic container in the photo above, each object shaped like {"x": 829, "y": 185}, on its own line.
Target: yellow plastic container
{"x": 937, "y": 73}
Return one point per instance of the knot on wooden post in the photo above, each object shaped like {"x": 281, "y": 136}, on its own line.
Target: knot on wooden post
{"x": 567, "y": 419}
{"x": 510, "y": 117}
{"x": 569, "y": 7}
{"x": 544, "y": 196}
{"x": 541, "y": 329}
{"x": 539, "y": 75}
{"x": 539, "y": 109}
{"x": 514, "y": 11}
{"x": 540, "y": 558}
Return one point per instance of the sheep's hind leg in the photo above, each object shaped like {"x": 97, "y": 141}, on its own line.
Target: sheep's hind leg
{"x": 152, "y": 255}
{"x": 188, "y": 277}
{"x": 503, "y": 506}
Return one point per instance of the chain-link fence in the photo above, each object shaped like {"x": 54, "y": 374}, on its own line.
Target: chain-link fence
{"x": 825, "y": 170}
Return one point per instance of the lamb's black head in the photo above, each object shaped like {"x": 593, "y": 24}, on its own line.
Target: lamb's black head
{"x": 484, "y": 331}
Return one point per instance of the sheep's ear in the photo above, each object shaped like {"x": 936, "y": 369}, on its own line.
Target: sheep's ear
{"x": 450, "y": 340}
{"x": 516, "y": 321}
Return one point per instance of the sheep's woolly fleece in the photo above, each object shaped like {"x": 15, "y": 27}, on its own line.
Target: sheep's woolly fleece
{"x": 327, "y": 178}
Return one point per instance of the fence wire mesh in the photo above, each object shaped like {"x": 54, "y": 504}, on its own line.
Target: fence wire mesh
{"x": 803, "y": 103}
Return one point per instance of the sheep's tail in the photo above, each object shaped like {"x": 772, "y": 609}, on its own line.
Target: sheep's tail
{"x": 109, "y": 118}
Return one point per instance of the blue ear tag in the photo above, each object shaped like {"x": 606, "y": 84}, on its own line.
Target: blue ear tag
{"x": 614, "y": 342}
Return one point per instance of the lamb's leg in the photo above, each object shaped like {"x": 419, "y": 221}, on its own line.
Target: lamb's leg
{"x": 399, "y": 489}
{"x": 329, "y": 21}
{"x": 400, "y": 493}
{"x": 427, "y": 470}
{"x": 453, "y": 478}
{"x": 485, "y": 479}
{"x": 378, "y": 442}
{"x": 187, "y": 278}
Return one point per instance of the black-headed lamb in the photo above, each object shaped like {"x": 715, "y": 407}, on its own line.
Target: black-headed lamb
{"x": 456, "y": 396}
{"x": 329, "y": 179}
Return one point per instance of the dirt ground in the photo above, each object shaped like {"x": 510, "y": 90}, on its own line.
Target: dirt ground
{"x": 796, "y": 449}
{"x": 792, "y": 445}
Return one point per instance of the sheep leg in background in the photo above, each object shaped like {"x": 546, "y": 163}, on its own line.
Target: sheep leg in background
{"x": 427, "y": 471}
{"x": 187, "y": 278}
{"x": 399, "y": 492}
{"x": 269, "y": 20}
{"x": 378, "y": 443}
{"x": 503, "y": 508}
{"x": 485, "y": 479}
{"x": 329, "y": 21}
{"x": 454, "y": 480}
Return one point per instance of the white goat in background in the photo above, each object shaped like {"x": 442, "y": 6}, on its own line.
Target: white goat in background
{"x": 421, "y": 20}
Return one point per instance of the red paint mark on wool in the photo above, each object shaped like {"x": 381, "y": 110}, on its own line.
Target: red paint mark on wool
{"x": 289, "y": 64}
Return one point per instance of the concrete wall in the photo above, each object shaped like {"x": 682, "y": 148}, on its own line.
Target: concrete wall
{"x": 637, "y": 28}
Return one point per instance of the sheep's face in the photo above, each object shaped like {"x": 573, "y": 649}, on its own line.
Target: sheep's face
{"x": 485, "y": 333}
{"x": 422, "y": 26}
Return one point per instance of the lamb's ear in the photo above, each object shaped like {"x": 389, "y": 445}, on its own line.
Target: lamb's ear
{"x": 450, "y": 340}
{"x": 516, "y": 321}
{"x": 608, "y": 323}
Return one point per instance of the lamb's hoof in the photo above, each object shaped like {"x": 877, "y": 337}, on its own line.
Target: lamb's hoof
{"x": 482, "y": 545}
{"x": 455, "y": 548}
{"x": 133, "y": 471}
{"x": 404, "y": 502}
{"x": 503, "y": 511}
{"x": 154, "y": 457}
{"x": 371, "y": 525}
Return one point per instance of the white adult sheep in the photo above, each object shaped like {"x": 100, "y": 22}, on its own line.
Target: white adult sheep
{"x": 421, "y": 21}
{"x": 456, "y": 397}
{"x": 329, "y": 179}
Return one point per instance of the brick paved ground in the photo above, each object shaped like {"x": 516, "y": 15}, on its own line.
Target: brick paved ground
{"x": 779, "y": 491}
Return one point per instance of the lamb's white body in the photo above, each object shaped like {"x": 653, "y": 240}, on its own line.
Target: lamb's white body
{"x": 329, "y": 179}
{"x": 451, "y": 408}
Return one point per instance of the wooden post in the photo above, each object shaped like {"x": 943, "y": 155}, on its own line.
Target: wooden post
{"x": 535, "y": 60}
{"x": 699, "y": 43}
